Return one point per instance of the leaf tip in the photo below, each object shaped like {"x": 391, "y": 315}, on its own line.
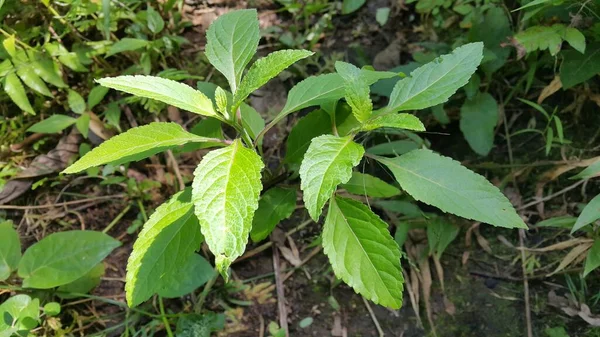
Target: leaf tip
{"x": 222, "y": 263}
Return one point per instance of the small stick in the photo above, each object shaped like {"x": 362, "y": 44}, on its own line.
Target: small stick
{"x": 525, "y": 285}
{"x": 373, "y": 317}
{"x": 280, "y": 294}
{"x": 66, "y": 203}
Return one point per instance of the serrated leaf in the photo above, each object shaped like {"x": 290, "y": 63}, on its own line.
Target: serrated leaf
{"x": 165, "y": 244}
{"x": 63, "y": 257}
{"x": 478, "y": 120}
{"x": 315, "y": 124}
{"x": 232, "y": 41}
{"x": 577, "y": 68}
{"x": 170, "y": 92}
{"x": 366, "y": 184}
{"x": 395, "y": 148}
{"x": 76, "y": 102}
{"x": 265, "y": 69}
{"x": 590, "y": 213}
{"x": 15, "y": 90}
{"x": 188, "y": 277}
{"x": 592, "y": 260}
{"x": 49, "y": 72}
{"x": 31, "y": 79}
{"x": 436, "y": 81}
{"x": 542, "y": 38}
{"x": 575, "y": 38}
{"x": 274, "y": 205}
{"x": 589, "y": 172}
{"x": 126, "y": 44}
{"x": 52, "y": 124}
{"x": 226, "y": 189}
{"x": 135, "y": 144}
{"x": 444, "y": 183}
{"x": 356, "y": 90}
{"x": 82, "y": 285}
{"x": 83, "y": 124}
{"x": 362, "y": 252}
{"x": 327, "y": 163}
{"x": 10, "y": 249}
{"x": 394, "y": 120}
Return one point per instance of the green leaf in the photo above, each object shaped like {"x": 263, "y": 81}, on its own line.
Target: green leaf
{"x": 394, "y": 120}
{"x": 83, "y": 124}
{"x": 232, "y": 41}
{"x": 170, "y": 92}
{"x": 350, "y": 6}
{"x": 274, "y": 205}
{"x": 226, "y": 189}
{"x": 136, "y": 144}
{"x": 210, "y": 128}
{"x": 444, "y": 183}
{"x": 575, "y": 38}
{"x": 362, "y": 252}
{"x": 82, "y": 285}
{"x": 577, "y": 68}
{"x": 22, "y": 313}
{"x": 265, "y": 69}
{"x": 542, "y": 38}
{"x": 439, "y": 113}
{"x": 155, "y": 22}
{"x": 63, "y": 257}
{"x": 315, "y": 124}
{"x": 53, "y": 124}
{"x": 478, "y": 120}
{"x": 52, "y": 309}
{"x": 435, "y": 82}
{"x": 251, "y": 120}
{"x": 472, "y": 87}
{"x": 590, "y": 213}
{"x": 365, "y": 184}
{"x": 327, "y": 163}
{"x": 440, "y": 234}
{"x": 493, "y": 39}
{"x": 96, "y": 96}
{"x": 164, "y": 246}
{"x": 592, "y": 260}
{"x": 402, "y": 207}
{"x": 396, "y": 148}
{"x": 196, "y": 325}
{"x": 14, "y": 89}
{"x": 356, "y": 90}
{"x": 76, "y": 102}
{"x": 589, "y": 172}
{"x": 190, "y": 276}
{"x": 563, "y": 222}
{"x": 382, "y": 15}
{"x": 126, "y": 44}
{"x": 31, "y": 79}
{"x": 71, "y": 60}
{"x": 10, "y": 249}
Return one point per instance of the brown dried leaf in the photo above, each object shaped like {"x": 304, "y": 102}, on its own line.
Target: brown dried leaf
{"x": 550, "y": 89}
{"x": 572, "y": 256}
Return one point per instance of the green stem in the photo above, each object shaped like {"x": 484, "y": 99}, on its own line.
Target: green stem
{"x": 198, "y": 306}
{"x": 143, "y": 210}
{"x": 164, "y": 317}
{"x": 116, "y": 219}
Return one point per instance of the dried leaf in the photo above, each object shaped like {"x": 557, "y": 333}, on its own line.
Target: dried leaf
{"x": 572, "y": 256}
{"x": 550, "y": 89}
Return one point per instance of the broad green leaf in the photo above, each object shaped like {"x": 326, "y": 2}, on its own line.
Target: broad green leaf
{"x": 96, "y": 96}
{"x": 472, "y": 87}
{"x": 10, "y": 249}
{"x": 350, "y": 6}
{"x": 71, "y": 60}
{"x": 155, "y": 22}
{"x": 395, "y": 148}
{"x": 20, "y": 312}
{"x": 231, "y": 42}
{"x": 542, "y": 38}
{"x": 366, "y": 184}
{"x": 444, "y": 183}
{"x": 210, "y": 128}
{"x": 435, "y": 82}
{"x": 386, "y": 86}
{"x": 126, "y": 44}
{"x": 356, "y": 91}
{"x": 590, "y": 213}
{"x": 252, "y": 120}
{"x": 440, "y": 234}
{"x": 53, "y": 124}
{"x": 402, "y": 207}
{"x": 170, "y": 92}
{"x": 83, "y": 124}
{"x": 265, "y": 69}
{"x": 52, "y": 309}
{"x": 63, "y": 257}
{"x": 394, "y": 120}
{"x": 362, "y": 252}
{"x": 575, "y": 38}
{"x": 15, "y": 90}
{"x": 136, "y": 144}
{"x": 164, "y": 246}
{"x": 577, "y": 68}
{"x": 592, "y": 260}
{"x": 315, "y": 124}
{"x": 31, "y": 79}
{"x": 382, "y": 15}
{"x": 564, "y": 222}
{"x": 82, "y": 285}
{"x": 76, "y": 102}
{"x": 226, "y": 189}
{"x": 196, "y": 325}
{"x": 49, "y": 72}
{"x": 478, "y": 120}
{"x": 9, "y": 45}
{"x": 188, "y": 277}
{"x": 327, "y": 163}
{"x": 274, "y": 205}
{"x": 493, "y": 39}
{"x": 589, "y": 172}
{"x": 439, "y": 113}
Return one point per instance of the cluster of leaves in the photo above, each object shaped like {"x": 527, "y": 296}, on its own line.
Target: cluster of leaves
{"x": 221, "y": 205}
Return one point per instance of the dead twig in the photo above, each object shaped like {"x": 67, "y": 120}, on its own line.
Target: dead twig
{"x": 283, "y": 323}
{"x": 66, "y": 203}
{"x": 373, "y": 317}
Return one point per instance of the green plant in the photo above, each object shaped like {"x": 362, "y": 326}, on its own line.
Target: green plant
{"x": 219, "y": 207}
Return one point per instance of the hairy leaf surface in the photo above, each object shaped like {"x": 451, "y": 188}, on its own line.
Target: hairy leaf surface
{"x": 226, "y": 189}
{"x": 135, "y": 144}
{"x": 444, "y": 183}
{"x": 275, "y": 205}
{"x": 165, "y": 244}
{"x": 362, "y": 252}
{"x": 356, "y": 90}
{"x": 394, "y": 120}
{"x": 327, "y": 163}
{"x": 161, "y": 89}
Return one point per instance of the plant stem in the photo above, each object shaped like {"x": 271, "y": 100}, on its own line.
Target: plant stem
{"x": 116, "y": 219}
{"x": 164, "y": 318}
{"x": 198, "y": 306}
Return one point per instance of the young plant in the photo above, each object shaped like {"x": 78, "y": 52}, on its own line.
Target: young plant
{"x": 220, "y": 206}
